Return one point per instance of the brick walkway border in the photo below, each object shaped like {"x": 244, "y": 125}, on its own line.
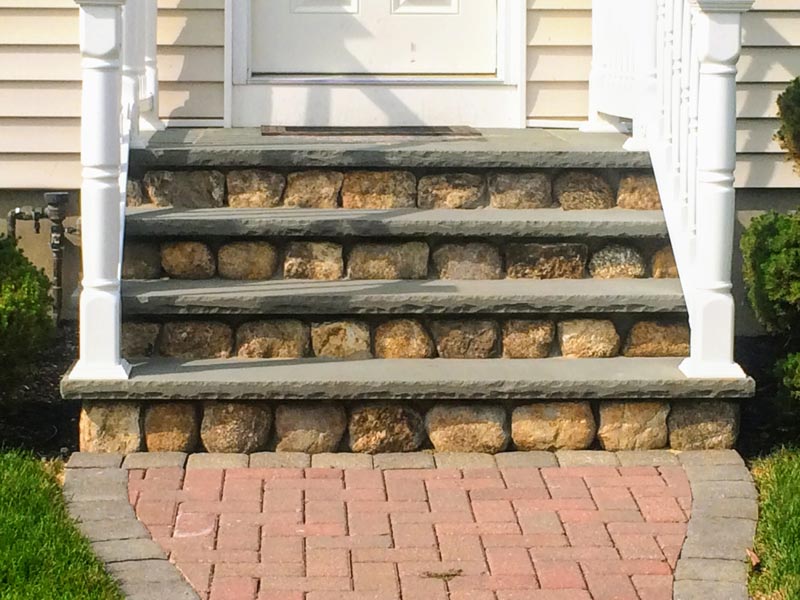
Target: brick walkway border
{"x": 712, "y": 565}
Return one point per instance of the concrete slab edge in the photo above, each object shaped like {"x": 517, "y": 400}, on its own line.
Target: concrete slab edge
{"x": 722, "y": 526}
{"x": 117, "y": 537}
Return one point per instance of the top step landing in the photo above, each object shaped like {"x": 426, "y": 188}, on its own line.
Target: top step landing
{"x": 490, "y": 149}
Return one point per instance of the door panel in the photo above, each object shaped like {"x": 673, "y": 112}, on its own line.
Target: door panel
{"x": 374, "y": 37}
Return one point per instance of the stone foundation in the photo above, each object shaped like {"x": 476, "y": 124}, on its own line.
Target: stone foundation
{"x": 380, "y": 427}
{"x": 386, "y": 337}
{"x": 421, "y": 259}
{"x": 387, "y": 189}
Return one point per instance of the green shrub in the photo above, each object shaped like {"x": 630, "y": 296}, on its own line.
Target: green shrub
{"x": 26, "y": 322}
{"x": 789, "y": 111}
{"x": 771, "y": 252}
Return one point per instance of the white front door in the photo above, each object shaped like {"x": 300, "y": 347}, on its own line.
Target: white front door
{"x": 374, "y": 37}
{"x": 377, "y": 62}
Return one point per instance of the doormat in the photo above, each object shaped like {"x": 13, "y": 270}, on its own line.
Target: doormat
{"x": 269, "y": 130}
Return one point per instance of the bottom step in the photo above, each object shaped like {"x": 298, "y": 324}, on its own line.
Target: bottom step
{"x": 436, "y": 379}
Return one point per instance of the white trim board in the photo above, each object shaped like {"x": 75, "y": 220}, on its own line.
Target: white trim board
{"x": 499, "y": 101}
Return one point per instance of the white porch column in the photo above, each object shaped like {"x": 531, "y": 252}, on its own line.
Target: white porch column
{"x": 149, "y": 119}
{"x": 100, "y": 39}
{"x": 133, "y": 68}
{"x": 717, "y": 37}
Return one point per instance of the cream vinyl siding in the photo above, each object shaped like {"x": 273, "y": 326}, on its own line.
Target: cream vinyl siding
{"x": 559, "y": 59}
{"x": 40, "y": 79}
{"x": 40, "y": 82}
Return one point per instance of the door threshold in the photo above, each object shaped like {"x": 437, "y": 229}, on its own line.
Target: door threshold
{"x": 413, "y": 131}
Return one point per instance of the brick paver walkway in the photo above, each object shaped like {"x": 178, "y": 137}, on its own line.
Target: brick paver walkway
{"x": 559, "y": 533}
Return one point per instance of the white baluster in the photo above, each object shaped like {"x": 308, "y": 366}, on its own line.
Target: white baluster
{"x": 643, "y": 51}
{"x": 100, "y": 39}
{"x": 717, "y": 38}
{"x": 149, "y": 119}
{"x": 133, "y": 71}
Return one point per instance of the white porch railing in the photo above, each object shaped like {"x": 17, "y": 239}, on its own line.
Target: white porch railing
{"x": 670, "y": 67}
{"x": 119, "y": 98}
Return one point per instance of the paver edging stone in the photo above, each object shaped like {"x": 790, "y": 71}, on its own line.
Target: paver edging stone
{"x": 100, "y": 506}
{"x": 721, "y": 527}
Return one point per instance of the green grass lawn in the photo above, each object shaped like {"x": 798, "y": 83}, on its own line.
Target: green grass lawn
{"x": 778, "y": 536}
{"x": 42, "y": 555}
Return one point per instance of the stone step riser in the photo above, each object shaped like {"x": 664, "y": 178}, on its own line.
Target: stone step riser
{"x": 571, "y": 189}
{"x": 380, "y": 427}
{"x": 418, "y": 259}
{"x": 408, "y": 338}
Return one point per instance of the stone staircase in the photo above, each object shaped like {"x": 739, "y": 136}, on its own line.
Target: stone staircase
{"x": 382, "y": 296}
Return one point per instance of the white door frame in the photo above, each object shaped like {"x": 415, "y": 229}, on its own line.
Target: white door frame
{"x": 494, "y": 101}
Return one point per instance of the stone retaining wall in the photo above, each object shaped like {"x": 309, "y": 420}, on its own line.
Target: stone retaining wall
{"x": 463, "y": 260}
{"x": 259, "y": 188}
{"x": 379, "y": 427}
{"x": 409, "y": 338}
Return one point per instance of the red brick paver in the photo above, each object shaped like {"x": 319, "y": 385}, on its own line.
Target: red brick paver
{"x": 588, "y": 533}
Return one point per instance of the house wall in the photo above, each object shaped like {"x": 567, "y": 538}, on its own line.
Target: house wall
{"x": 40, "y": 82}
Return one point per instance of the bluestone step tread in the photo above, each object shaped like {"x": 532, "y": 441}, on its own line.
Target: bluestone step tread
{"x": 292, "y": 222}
{"x": 301, "y": 297}
{"x": 433, "y": 379}
{"x": 493, "y": 149}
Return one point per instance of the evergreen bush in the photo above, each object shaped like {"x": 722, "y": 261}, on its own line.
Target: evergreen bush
{"x": 26, "y": 322}
{"x": 788, "y": 135}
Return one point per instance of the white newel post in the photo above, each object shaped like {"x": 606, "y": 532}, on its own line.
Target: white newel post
{"x": 100, "y": 40}
{"x": 717, "y": 38}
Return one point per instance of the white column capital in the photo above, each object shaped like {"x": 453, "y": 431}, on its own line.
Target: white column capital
{"x": 739, "y": 6}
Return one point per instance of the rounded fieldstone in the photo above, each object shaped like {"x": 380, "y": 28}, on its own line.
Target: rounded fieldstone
{"x": 465, "y": 339}
{"x": 110, "y": 427}
{"x": 468, "y": 261}
{"x": 402, "y": 338}
{"x": 653, "y": 339}
{"x": 138, "y": 340}
{"x": 588, "y": 338}
{"x": 452, "y": 190}
{"x": 553, "y": 426}
{"x": 546, "y": 261}
{"x": 235, "y": 427}
{"x": 468, "y": 428}
{"x": 313, "y": 260}
{"x": 134, "y": 195}
{"x": 663, "y": 265}
{"x": 578, "y": 190}
{"x": 171, "y": 427}
{"x": 309, "y": 427}
{"x": 520, "y": 190}
{"x": 195, "y": 340}
{"x": 141, "y": 260}
{"x": 255, "y": 188}
{"x": 382, "y": 427}
{"x": 341, "y": 339}
{"x": 272, "y": 339}
{"x": 313, "y": 189}
{"x": 633, "y": 425}
{"x": 188, "y": 260}
{"x": 185, "y": 189}
{"x": 616, "y": 261}
{"x": 247, "y": 261}
{"x": 388, "y": 261}
{"x": 703, "y": 425}
{"x": 638, "y": 192}
{"x": 379, "y": 189}
{"x": 528, "y": 339}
